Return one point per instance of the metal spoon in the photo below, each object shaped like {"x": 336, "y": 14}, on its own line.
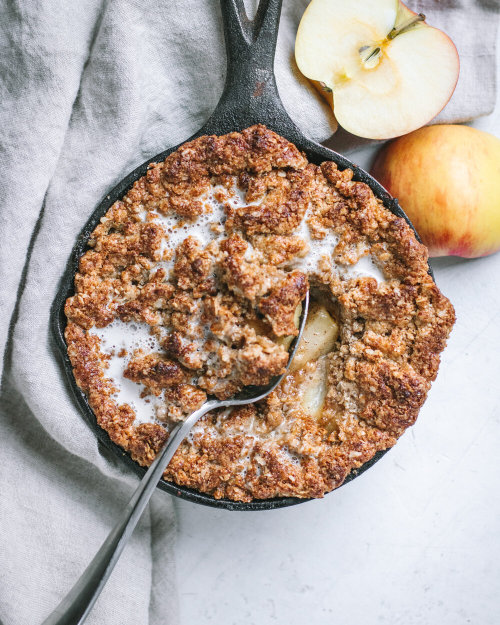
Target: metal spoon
{"x": 75, "y": 607}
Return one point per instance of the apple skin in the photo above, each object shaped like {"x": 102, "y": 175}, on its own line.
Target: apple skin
{"x": 447, "y": 180}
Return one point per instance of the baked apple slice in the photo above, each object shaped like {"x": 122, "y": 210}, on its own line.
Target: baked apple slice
{"x": 318, "y": 338}
{"x": 313, "y": 388}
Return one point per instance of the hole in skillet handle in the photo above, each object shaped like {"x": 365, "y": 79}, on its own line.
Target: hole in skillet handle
{"x": 250, "y": 96}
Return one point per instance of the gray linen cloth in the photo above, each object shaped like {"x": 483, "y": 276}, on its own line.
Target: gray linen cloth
{"x": 89, "y": 90}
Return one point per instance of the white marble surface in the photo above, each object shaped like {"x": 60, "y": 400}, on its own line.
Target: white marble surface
{"x": 413, "y": 541}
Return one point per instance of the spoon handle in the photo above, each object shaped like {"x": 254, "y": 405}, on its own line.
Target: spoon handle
{"x": 74, "y": 608}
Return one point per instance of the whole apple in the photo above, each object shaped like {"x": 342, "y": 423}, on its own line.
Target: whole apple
{"x": 447, "y": 180}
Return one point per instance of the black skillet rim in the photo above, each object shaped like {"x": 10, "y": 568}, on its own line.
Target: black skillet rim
{"x": 250, "y": 95}
{"x": 58, "y": 325}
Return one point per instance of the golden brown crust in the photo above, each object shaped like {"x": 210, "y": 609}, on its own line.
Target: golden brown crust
{"x": 216, "y": 306}
{"x": 155, "y": 372}
{"x": 280, "y": 304}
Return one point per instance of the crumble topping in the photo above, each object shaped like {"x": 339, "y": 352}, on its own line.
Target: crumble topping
{"x": 191, "y": 286}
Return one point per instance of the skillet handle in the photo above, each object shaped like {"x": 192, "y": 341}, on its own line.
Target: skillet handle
{"x": 250, "y": 94}
{"x": 250, "y": 40}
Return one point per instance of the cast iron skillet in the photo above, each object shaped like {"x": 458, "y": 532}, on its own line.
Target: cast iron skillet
{"x": 250, "y": 96}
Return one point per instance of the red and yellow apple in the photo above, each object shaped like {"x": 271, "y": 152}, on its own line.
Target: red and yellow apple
{"x": 447, "y": 180}
{"x": 385, "y": 71}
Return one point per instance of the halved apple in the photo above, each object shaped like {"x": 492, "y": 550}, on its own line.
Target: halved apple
{"x": 389, "y": 71}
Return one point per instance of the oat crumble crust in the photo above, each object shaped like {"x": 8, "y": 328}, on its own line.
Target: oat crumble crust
{"x": 244, "y": 285}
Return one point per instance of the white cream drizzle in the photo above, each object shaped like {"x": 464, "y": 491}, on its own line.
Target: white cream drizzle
{"x": 365, "y": 267}
{"x": 318, "y": 248}
{"x": 119, "y": 335}
{"x": 324, "y": 248}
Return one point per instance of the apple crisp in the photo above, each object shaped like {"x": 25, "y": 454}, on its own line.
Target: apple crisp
{"x": 191, "y": 287}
